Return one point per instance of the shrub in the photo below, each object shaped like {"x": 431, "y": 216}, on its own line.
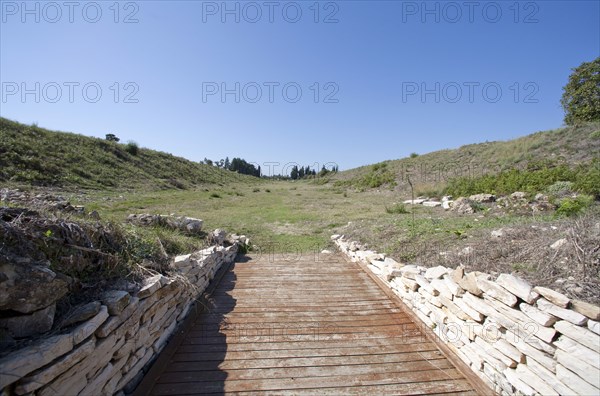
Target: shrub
{"x": 414, "y": 155}
{"x": 397, "y": 209}
{"x": 588, "y": 180}
{"x": 378, "y": 176}
{"x": 256, "y": 190}
{"x": 376, "y": 167}
{"x": 560, "y": 188}
{"x": 132, "y": 147}
{"x": 175, "y": 183}
{"x": 585, "y": 179}
{"x": 477, "y": 206}
{"x": 214, "y": 195}
{"x": 573, "y": 206}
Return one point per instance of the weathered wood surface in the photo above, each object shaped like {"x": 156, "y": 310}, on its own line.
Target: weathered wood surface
{"x": 303, "y": 326}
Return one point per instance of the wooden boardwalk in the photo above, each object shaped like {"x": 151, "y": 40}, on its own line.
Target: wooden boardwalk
{"x": 303, "y": 326}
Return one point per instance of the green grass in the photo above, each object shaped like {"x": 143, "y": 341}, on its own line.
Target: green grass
{"x": 397, "y": 209}
{"x": 583, "y": 178}
{"x": 276, "y": 215}
{"x": 292, "y": 216}
{"x": 301, "y": 216}
{"x": 574, "y": 206}
{"x": 377, "y": 176}
{"x": 432, "y": 171}
{"x": 30, "y": 155}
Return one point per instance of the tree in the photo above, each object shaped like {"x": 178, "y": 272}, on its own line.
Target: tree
{"x": 581, "y": 95}
{"x": 240, "y": 165}
{"x": 132, "y": 147}
{"x": 111, "y": 137}
{"x": 294, "y": 173}
{"x": 323, "y": 171}
{"x": 227, "y": 164}
{"x": 301, "y": 173}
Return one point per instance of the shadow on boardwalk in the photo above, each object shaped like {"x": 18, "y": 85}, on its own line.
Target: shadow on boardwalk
{"x": 194, "y": 357}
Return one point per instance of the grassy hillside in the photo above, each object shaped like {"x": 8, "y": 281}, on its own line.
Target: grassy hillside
{"x": 37, "y": 156}
{"x": 570, "y": 146}
{"x": 298, "y": 217}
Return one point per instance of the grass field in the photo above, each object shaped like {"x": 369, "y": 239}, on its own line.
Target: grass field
{"x": 281, "y": 215}
{"x": 300, "y": 216}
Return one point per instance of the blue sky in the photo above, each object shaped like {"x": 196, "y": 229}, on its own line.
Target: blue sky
{"x": 345, "y": 82}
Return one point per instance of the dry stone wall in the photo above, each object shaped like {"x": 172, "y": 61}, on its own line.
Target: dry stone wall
{"x": 517, "y": 338}
{"x": 109, "y": 353}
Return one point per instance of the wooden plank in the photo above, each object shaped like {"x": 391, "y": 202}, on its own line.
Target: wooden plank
{"x": 314, "y": 344}
{"x": 199, "y": 353}
{"x": 456, "y": 387}
{"x": 188, "y": 362}
{"x": 305, "y": 299}
{"x": 293, "y": 331}
{"x": 309, "y": 313}
{"x": 342, "y": 320}
{"x": 323, "y": 308}
{"x": 306, "y": 293}
{"x": 278, "y": 336}
{"x": 406, "y": 378}
{"x": 208, "y": 371}
{"x": 282, "y": 327}
{"x": 299, "y": 310}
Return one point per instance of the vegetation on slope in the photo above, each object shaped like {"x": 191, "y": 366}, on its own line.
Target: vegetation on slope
{"x": 570, "y": 146}
{"x": 37, "y": 156}
{"x": 539, "y": 177}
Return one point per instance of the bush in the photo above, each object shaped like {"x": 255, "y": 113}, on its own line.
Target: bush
{"x": 377, "y": 176}
{"x": 588, "y": 180}
{"x": 573, "y": 206}
{"x": 585, "y": 178}
{"x": 376, "y": 167}
{"x": 214, "y": 195}
{"x": 560, "y": 189}
{"x": 397, "y": 209}
{"x": 132, "y": 147}
{"x": 477, "y": 206}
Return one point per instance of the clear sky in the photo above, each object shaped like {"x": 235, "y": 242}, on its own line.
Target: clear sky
{"x": 345, "y": 82}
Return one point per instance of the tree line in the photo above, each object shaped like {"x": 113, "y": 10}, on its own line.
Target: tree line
{"x": 240, "y": 165}
{"x": 306, "y": 172}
